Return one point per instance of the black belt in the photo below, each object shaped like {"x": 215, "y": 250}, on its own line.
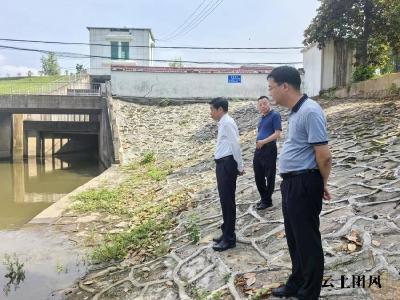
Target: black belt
{"x": 299, "y": 172}
{"x": 229, "y": 157}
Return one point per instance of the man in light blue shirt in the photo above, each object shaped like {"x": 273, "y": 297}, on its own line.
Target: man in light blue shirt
{"x": 304, "y": 165}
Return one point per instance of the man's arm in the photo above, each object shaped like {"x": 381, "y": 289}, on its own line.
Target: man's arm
{"x": 235, "y": 146}
{"x": 273, "y": 137}
{"x": 324, "y": 162}
{"x": 277, "y": 127}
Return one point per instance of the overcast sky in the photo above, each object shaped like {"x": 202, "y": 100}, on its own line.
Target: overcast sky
{"x": 234, "y": 23}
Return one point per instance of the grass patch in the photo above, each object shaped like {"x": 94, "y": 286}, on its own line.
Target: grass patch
{"x": 198, "y": 293}
{"x": 102, "y": 200}
{"x": 32, "y": 85}
{"x": 148, "y": 157}
{"x": 150, "y": 213}
{"x": 193, "y": 228}
{"x": 157, "y": 173}
{"x": 116, "y": 247}
{"x": 151, "y": 220}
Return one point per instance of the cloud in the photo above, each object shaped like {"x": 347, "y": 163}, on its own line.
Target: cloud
{"x": 13, "y": 70}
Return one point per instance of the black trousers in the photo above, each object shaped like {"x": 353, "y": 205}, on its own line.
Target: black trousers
{"x": 301, "y": 205}
{"x": 264, "y": 165}
{"x": 227, "y": 173}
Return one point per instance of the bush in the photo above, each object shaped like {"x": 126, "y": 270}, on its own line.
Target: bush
{"x": 363, "y": 72}
{"x": 148, "y": 157}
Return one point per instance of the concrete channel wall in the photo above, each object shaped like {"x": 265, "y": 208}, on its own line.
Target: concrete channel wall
{"x": 378, "y": 87}
{"x": 13, "y": 106}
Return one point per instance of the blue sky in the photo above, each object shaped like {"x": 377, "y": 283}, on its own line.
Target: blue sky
{"x": 234, "y": 23}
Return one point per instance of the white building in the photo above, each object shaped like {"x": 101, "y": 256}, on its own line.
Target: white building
{"x": 326, "y": 68}
{"x": 128, "y": 46}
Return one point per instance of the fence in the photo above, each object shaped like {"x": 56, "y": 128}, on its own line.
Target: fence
{"x": 76, "y": 85}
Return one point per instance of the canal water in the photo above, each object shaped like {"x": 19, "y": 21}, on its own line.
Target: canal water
{"x": 50, "y": 260}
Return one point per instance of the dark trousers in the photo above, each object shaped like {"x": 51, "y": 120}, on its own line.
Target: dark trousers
{"x": 301, "y": 205}
{"x": 264, "y": 165}
{"x": 227, "y": 173}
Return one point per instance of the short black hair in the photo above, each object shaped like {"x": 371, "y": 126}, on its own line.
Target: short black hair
{"x": 219, "y": 102}
{"x": 286, "y": 74}
{"x": 263, "y": 97}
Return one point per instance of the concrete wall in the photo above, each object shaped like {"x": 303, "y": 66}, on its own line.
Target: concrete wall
{"x": 186, "y": 85}
{"x": 378, "y": 87}
{"x": 6, "y": 135}
{"x": 312, "y": 59}
{"x": 77, "y": 143}
{"x": 51, "y": 104}
{"x": 93, "y": 107}
{"x": 328, "y": 66}
{"x": 135, "y": 37}
{"x": 106, "y": 145}
{"x": 18, "y": 136}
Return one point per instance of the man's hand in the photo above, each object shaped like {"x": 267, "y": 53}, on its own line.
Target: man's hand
{"x": 240, "y": 173}
{"x": 259, "y": 144}
{"x": 327, "y": 194}
{"x": 324, "y": 160}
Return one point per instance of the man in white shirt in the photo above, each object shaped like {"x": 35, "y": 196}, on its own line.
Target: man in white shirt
{"x": 229, "y": 164}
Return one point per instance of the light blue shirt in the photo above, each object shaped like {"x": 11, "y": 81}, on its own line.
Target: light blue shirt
{"x": 306, "y": 128}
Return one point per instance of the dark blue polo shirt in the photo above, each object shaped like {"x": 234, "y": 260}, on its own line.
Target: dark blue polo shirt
{"x": 268, "y": 124}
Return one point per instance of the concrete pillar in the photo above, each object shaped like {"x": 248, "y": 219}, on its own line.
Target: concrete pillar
{"x": 26, "y": 144}
{"x": 5, "y": 135}
{"x": 106, "y": 151}
{"x": 30, "y": 143}
{"x": 18, "y": 136}
{"x": 93, "y": 118}
{"x": 19, "y": 182}
{"x": 38, "y": 145}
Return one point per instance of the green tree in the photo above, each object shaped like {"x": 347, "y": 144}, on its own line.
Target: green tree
{"x": 79, "y": 69}
{"x": 372, "y": 27}
{"x": 380, "y": 54}
{"x": 50, "y": 65}
{"x": 349, "y": 20}
{"x": 389, "y": 28}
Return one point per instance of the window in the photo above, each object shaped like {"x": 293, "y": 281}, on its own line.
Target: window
{"x": 114, "y": 50}
{"x": 125, "y": 50}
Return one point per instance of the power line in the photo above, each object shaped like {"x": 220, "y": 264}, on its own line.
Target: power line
{"x": 210, "y": 11}
{"x": 207, "y": 10}
{"x": 80, "y": 55}
{"x": 156, "y": 47}
{"x": 184, "y": 22}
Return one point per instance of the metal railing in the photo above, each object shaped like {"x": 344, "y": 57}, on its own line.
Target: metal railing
{"x": 77, "y": 85}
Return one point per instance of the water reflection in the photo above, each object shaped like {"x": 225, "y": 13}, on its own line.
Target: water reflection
{"x": 28, "y": 187}
{"x": 51, "y": 262}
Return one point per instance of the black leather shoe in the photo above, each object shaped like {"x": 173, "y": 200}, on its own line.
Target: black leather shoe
{"x": 283, "y": 292}
{"x": 263, "y": 205}
{"x": 217, "y": 239}
{"x": 222, "y": 246}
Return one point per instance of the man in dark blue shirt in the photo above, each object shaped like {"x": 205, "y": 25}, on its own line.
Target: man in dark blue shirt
{"x": 264, "y": 162}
